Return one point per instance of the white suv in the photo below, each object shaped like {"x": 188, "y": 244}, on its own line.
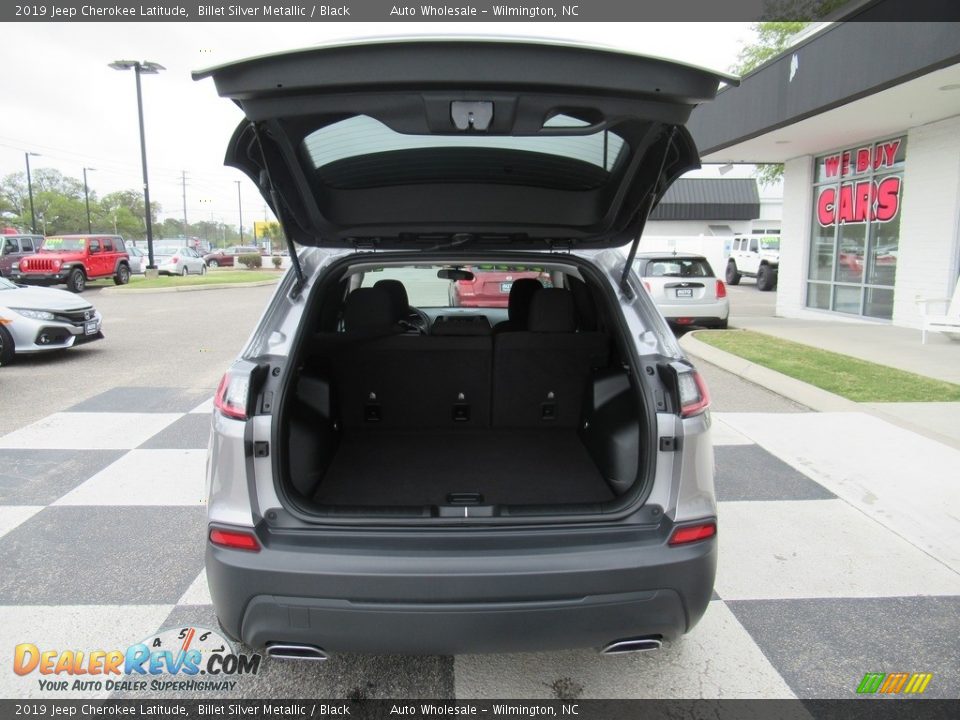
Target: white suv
{"x": 756, "y": 257}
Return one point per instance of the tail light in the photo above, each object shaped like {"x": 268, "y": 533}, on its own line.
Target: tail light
{"x": 694, "y": 396}
{"x": 693, "y": 533}
{"x": 647, "y": 286}
{"x": 721, "y": 289}
{"x": 174, "y": 259}
{"x": 232, "y": 398}
{"x": 239, "y": 540}
{"x": 238, "y": 389}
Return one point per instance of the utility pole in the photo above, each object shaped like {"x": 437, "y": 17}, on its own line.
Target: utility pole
{"x": 183, "y": 179}
{"x": 86, "y": 197}
{"x": 240, "y": 206}
{"x": 33, "y": 216}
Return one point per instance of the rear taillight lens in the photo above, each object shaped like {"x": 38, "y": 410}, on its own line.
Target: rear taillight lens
{"x": 694, "y": 397}
{"x": 239, "y": 540}
{"x": 174, "y": 260}
{"x": 721, "y": 289}
{"x": 693, "y": 533}
{"x": 232, "y": 396}
{"x": 647, "y": 286}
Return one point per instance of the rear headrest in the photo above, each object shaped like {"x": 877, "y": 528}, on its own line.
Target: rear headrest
{"x": 398, "y": 297}
{"x": 518, "y": 303}
{"x": 551, "y": 311}
{"x": 368, "y": 309}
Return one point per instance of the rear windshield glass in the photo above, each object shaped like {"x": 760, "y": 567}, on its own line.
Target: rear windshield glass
{"x": 363, "y": 135}
{"x": 678, "y": 267}
{"x": 488, "y": 288}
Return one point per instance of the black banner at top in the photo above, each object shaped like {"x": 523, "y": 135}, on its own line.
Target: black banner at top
{"x": 476, "y": 10}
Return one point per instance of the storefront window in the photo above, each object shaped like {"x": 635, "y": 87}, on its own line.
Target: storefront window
{"x": 856, "y": 229}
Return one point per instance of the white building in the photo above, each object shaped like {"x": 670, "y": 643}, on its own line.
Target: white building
{"x": 866, "y": 118}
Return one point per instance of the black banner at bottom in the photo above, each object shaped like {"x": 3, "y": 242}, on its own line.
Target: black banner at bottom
{"x": 866, "y": 708}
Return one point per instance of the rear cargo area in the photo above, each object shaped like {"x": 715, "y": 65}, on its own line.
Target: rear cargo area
{"x": 386, "y": 420}
{"x": 442, "y": 467}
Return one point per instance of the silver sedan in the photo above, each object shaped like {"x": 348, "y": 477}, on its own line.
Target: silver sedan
{"x": 180, "y": 261}
{"x": 39, "y": 319}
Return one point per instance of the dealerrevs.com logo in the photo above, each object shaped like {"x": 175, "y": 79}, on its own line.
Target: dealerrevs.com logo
{"x": 186, "y": 659}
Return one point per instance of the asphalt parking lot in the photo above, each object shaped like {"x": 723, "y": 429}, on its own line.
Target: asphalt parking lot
{"x": 102, "y": 452}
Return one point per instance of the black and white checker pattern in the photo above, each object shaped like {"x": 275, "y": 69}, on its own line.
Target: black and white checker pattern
{"x": 839, "y": 555}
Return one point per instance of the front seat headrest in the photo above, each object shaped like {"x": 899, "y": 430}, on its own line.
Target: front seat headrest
{"x": 368, "y": 309}
{"x": 518, "y": 302}
{"x": 398, "y": 297}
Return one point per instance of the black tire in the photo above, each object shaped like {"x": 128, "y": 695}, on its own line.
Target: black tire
{"x": 766, "y": 278}
{"x": 732, "y": 276}
{"x": 76, "y": 281}
{"x": 7, "y": 348}
{"x": 213, "y": 263}
{"x": 203, "y": 270}
{"x": 723, "y": 324}
{"x": 123, "y": 275}
{"x": 183, "y": 270}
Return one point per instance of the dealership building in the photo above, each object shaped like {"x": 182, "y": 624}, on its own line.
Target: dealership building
{"x": 865, "y": 117}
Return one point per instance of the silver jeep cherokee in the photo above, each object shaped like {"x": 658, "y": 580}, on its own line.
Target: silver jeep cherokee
{"x": 391, "y": 474}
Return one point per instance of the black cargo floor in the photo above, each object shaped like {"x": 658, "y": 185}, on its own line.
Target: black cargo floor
{"x": 507, "y": 467}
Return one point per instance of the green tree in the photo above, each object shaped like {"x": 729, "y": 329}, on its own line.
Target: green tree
{"x": 122, "y": 212}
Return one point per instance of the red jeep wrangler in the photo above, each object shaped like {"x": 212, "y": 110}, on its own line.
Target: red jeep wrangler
{"x": 74, "y": 259}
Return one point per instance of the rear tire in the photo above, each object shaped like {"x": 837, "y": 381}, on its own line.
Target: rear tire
{"x": 213, "y": 264}
{"x": 123, "y": 275}
{"x": 203, "y": 270}
{"x": 723, "y": 324}
{"x": 7, "y": 348}
{"x": 732, "y": 276}
{"x": 183, "y": 271}
{"x": 76, "y": 281}
{"x": 766, "y": 278}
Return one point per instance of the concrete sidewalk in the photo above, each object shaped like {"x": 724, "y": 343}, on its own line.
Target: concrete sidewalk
{"x": 879, "y": 343}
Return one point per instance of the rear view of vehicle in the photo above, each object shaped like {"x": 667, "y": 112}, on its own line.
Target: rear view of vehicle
{"x": 685, "y": 289}
{"x": 491, "y": 284}
{"x": 474, "y": 480}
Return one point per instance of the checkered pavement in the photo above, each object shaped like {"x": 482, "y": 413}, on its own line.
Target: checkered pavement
{"x": 839, "y": 555}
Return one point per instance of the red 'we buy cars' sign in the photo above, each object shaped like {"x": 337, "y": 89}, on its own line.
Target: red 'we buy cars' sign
{"x": 866, "y": 198}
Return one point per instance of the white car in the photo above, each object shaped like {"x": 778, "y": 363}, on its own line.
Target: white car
{"x": 39, "y": 319}
{"x": 684, "y": 288}
{"x": 180, "y": 261}
{"x": 138, "y": 259}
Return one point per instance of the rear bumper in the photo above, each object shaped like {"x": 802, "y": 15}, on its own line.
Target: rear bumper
{"x": 702, "y": 313}
{"x": 430, "y": 603}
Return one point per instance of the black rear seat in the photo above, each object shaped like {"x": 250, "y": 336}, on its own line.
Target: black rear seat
{"x": 540, "y": 375}
{"x": 385, "y": 379}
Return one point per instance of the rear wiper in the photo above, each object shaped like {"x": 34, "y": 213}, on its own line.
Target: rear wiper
{"x": 455, "y": 240}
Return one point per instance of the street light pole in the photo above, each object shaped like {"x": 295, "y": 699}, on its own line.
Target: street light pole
{"x": 86, "y": 197}
{"x": 139, "y": 68}
{"x": 33, "y": 217}
{"x": 240, "y": 206}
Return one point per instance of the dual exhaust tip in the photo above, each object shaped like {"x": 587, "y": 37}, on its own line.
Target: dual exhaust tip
{"x": 295, "y": 651}
{"x": 632, "y": 645}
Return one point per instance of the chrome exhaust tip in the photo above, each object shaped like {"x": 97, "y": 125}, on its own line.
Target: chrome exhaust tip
{"x": 295, "y": 651}
{"x": 632, "y": 645}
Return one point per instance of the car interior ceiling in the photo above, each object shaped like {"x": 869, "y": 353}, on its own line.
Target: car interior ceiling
{"x": 536, "y": 410}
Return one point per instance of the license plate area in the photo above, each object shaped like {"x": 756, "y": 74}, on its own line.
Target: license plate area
{"x": 505, "y": 286}
{"x": 90, "y": 328}
{"x": 684, "y": 292}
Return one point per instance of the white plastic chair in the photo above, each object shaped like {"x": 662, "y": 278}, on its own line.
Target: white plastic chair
{"x": 948, "y": 323}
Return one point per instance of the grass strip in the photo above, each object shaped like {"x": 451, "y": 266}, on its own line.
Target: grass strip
{"x": 849, "y": 377}
{"x": 228, "y": 277}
